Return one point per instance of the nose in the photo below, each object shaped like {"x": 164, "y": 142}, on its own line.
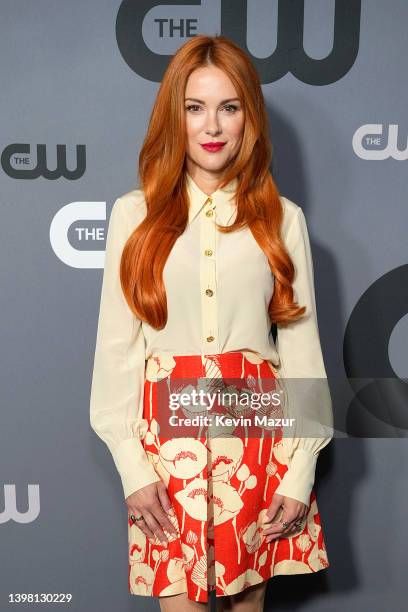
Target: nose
{"x": 212, "y": 124}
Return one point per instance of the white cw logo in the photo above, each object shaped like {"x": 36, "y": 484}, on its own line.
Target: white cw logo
{"x": 62, "y": 221}
{"x": 371, "y": 135}
{"x": 10, "y": 512}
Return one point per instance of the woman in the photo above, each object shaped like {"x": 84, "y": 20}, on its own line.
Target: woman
{"x": 199, "y": 263}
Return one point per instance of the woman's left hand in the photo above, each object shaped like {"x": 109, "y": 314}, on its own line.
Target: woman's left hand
{"x": 293, "y": 511}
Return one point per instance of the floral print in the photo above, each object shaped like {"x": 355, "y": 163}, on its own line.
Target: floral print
{"x": 220, "y": 488}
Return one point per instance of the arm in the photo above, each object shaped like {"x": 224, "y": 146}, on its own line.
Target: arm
{"x": 116, "y": 402}
{"x": 308, "y": 400}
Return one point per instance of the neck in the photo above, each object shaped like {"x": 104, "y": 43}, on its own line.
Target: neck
{"x": 206, "y": 180}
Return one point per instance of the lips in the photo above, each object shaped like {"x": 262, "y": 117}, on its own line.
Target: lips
{"x": 213, "y": 146}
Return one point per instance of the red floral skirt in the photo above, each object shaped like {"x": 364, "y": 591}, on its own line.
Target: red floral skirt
{"x": 220, "y": 484}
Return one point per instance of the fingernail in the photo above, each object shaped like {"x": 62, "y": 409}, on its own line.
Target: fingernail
{"x": 171, "y": 512}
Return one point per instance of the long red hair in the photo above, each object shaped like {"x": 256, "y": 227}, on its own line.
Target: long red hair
{"x": 162, "y": 174}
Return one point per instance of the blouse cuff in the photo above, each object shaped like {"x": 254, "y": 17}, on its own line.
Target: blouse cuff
{"x": 299, "y": 479}
{"x": 134, "y": 467}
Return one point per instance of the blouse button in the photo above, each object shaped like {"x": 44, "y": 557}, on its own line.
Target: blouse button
{"x": 210, "y": 338}
{"x": 209, "y": 213}
{"x": 208, "y": 252}
{"x": 209, "y": 292}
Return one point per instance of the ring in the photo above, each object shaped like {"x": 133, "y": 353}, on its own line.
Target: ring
{"x": 285, "y": 524}
{"x": 136, "y": 518}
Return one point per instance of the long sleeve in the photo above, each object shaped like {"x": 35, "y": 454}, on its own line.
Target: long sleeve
{"x": 117, "y": 390}
{"x": 308, "y": 399}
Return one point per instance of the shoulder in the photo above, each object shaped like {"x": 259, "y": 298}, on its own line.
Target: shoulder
{"x": 130, "y": 208}
{"x": 294, "y": 222}
{"x": 291, "y": 213}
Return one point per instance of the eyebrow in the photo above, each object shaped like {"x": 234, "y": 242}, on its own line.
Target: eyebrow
{"x": 202, "y": 101}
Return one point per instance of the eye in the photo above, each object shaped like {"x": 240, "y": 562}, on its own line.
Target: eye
{"x": 233, "y": 107}
{"x": 190, "y": 107}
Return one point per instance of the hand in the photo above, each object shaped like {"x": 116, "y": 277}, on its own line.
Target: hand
{"x": 293, "y": 511}
{"x": 152, "y": 502}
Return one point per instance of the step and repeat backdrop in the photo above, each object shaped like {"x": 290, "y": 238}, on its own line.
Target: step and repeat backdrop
{"x": 78, "y": 83}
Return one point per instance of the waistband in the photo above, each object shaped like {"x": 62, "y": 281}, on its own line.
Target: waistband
{"x": 160, "y": 363}
{"x": 252, "y": 356}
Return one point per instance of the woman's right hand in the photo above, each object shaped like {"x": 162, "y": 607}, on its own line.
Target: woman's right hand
{"x": 152, "y": 502}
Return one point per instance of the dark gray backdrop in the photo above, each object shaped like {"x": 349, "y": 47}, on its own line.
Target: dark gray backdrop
{"x": 86, "y": 73}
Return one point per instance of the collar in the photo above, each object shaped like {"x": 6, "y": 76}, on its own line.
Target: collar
{"x": 223, "y": 200}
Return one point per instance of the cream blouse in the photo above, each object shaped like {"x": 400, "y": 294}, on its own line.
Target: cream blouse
{"x": 218, "y": 289}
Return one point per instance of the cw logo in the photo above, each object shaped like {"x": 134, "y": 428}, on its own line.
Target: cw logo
{"x": 384, "y": 395}
{"x": 60, "y": 225}
{"x": 370, "y": 134}
{"x": 10, "y": 512}
{"x": 20, "y": 154}
{"x": 289, "y": 55}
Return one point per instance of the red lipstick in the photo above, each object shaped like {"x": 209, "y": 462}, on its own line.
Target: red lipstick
{"x": 213, "y": 147}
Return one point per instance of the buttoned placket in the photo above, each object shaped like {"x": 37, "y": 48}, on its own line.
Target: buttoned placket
{"x": 208, "y": 277}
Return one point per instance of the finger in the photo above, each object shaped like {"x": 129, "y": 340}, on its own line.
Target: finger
{"x": 274, "y": 526}
{"x": 135, "y": 512}
{"x": 146, "y": 530}
{"x": 291, "y": 529}
{"x": 290, "y": 522}
{"x": 162, "y": 518}
{"x": 167, "y": 508}
{"x": 282, "y": 532}
{"x": 279, "y": 529}
{"x": 164, "y": 497}
{"x": 274, "y": 510}
{"x": 155, "y": 527}
{"x": 141, "y": 524}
